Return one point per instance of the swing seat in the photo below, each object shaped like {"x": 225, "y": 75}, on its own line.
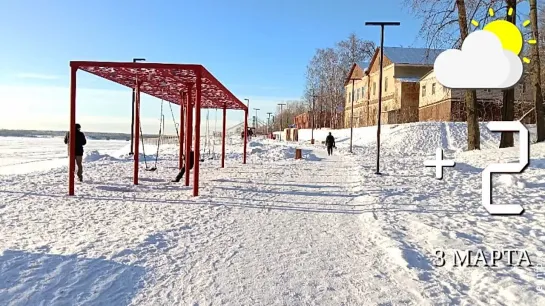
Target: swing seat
{"x": 151, "y": 169}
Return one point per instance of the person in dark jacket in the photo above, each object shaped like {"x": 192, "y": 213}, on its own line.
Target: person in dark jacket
{"x": 250, "y": 134}
{"x": 80, "y": 142}
{"x": 330, "y": 143}
{"x": 182, "y": 171}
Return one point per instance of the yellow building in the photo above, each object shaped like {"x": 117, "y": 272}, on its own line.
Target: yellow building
{"x": 402, "y": 70}
{"x": 438, "y": 103}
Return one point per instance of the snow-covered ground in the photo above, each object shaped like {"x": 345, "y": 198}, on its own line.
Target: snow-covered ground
{"x": 324, "y": 230}
{"x": 23, "y": 155}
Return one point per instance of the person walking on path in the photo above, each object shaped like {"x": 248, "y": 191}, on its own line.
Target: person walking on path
{"x": 182, "y": 171}
{"x": 80, "y": 142}
{"x": 330, "y": 143}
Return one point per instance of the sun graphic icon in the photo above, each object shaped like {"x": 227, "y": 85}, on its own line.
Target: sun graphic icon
{"x": 488, "y": 59}
{"x": 509, "y": 34}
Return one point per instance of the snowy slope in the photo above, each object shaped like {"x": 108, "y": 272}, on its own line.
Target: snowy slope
{"x": 319, "y": 231}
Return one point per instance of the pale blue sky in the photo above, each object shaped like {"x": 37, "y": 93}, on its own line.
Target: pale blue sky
{"x": 258, "y": 49}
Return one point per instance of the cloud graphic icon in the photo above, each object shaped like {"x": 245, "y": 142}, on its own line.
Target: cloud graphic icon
{"x": 482, "y": 63}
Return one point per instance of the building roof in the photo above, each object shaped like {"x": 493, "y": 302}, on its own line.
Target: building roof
{"x": 165, "y": 81}
{"x": 425, "y": 75}
{"x": 411, "y": 56}
{"x": 408, "y": 79}
{"x": 363, "y": 65}
{"x": 401, "y": 56}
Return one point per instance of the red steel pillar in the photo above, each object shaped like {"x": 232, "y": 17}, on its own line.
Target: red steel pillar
{"x": 245, "y": 136}
{"x": 197, "y": 133}
{"x": 181, "y": 129}
{"x": 136, "y": 133}
{"x": 72, "y": 137}
{"x": 223, "y": 135}
{"x": 188, "y": 130}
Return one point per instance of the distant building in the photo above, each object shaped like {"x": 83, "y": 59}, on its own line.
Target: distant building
{"x": 358, "y": 76}
{"x": 304, "y": 120}
{"x": 438, "y": 103}
{"x": 402, "y": 70}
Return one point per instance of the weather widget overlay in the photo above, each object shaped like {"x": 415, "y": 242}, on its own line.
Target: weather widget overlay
{"x": 251, "y": 153}
{"x": 488, "y": 59}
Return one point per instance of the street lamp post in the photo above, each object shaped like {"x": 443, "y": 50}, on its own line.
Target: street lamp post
{"x": 313, "y": 118}
{"x": 382, "y": 25}
{"x": 352, "y": 116}
{"x": 256, "y": 124}
{"x": 134, "y": 60}
{"x": 269, "y": 123}
{"x": 281, "y": 119}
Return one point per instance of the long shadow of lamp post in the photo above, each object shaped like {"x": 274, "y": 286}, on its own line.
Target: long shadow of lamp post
{"x": 382, "y": 25}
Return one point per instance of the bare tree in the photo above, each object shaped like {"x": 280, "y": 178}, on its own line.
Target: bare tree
{"x": 445, "y": 24}
{"x": 354, "y": 50}
{"x": 536, "y": 74}
{"x": 470, "y": 97}
{"x": 508, "y": 107}
{"x": 291, "y": 109}
{"x": 326, "y": 73}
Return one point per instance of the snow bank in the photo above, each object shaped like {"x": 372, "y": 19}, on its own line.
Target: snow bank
{"x": 411, "y": 138}
{"x": 95, "y": 155}
{"x": 266, "y": 150}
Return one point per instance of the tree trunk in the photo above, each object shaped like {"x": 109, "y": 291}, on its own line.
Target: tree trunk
{"x": 508, "y": 108}
{"x": 536, "y": 75}
{"x": 470, "y": 97}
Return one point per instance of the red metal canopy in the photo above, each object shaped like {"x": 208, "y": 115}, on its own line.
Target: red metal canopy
{"x": 165, "y": 81}
{"x": 170, "y": 83}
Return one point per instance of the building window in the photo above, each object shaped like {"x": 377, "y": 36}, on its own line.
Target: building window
{"x": 423, "y": 90}
{"x": 363, "y": 92}
{"x": 374, "y": 88}
{"x": 433, "y": 88}
{"x": 357, "y": 94}
{"x": 349, "y": 96}
{"x": 385, "y": 84}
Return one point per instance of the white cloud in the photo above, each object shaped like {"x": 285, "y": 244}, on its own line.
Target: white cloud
{"x": 482, "y": 63}
{"x": 37, "y": 76}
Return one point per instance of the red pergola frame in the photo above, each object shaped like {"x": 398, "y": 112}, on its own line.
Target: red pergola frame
{"x": 189, "y": 85}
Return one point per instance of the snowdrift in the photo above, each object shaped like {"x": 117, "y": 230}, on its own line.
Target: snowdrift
{"x": 261, "y": 149}
{"x": 418, "y": 137}
{"x": 95, "y": 155}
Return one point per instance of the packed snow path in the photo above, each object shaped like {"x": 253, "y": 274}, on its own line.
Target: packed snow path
{"x": 287, "y": 240}
{"x": 261, "y": 234}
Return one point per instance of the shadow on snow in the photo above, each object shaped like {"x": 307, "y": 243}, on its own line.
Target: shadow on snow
{"x": 39, "y": 278}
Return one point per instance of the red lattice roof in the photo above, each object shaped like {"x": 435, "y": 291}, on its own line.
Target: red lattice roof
{"x": 165, "y": 81}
